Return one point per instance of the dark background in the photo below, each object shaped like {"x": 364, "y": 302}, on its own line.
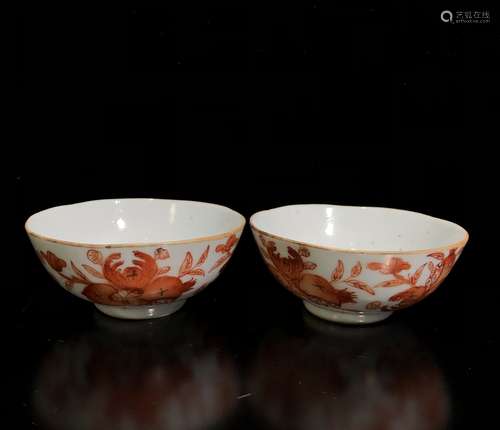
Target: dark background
{"x": 255, "y": 106}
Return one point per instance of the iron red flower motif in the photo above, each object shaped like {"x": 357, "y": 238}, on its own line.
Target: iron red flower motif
{"x": 393, "y": 266}
{"x": 415, "y": 293}
{"x": 143, "y": 282}
{"x": 226, "y": 250}
{"x": 292, "y": 272}
{"x": 53, "y": 261}
{"x": 289, "y": 271}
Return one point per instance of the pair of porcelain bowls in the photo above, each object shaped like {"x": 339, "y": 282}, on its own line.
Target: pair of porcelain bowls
{"x": 142, "y": 258}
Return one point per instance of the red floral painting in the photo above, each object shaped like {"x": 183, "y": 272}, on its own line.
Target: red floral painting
{"x": 226, "y": 251}
{"x": 143, "y": 282}
{"x": 437, "y": 271}
{"x": 293, "y": 271}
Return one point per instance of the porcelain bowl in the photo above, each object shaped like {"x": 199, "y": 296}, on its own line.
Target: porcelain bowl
{"x": 356, "y": 265}
{"x": 135, "y": 258}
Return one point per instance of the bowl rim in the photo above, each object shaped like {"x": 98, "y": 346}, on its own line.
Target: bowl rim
{"x": 460, "y": 244}
{"x": 137, "y": 244}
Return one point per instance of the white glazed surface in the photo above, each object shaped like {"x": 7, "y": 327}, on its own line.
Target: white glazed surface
{"x": 154, "y": 277}
{"x": 355, "y": 228}
{"x": 133, "y": 221}
{"x": 368, "y": 261}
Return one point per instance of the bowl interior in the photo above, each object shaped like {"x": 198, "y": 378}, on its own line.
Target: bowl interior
{"x": 127, "y": 221}
{"x": 359, "y": 228}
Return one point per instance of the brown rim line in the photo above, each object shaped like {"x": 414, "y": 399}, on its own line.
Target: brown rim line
{"x": 139, "y": 244}
{"x": 459, "y": 244}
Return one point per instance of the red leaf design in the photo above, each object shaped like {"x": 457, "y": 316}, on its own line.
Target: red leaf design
{"x": 186, "y": 264}
{"x": 416, "y": 276}
{"x": 360, "y": 285}
{"x": 390, "y": 283}
{"x": 220, "y": 262}
{"x": 309, "y": 265}
{"x": 163, "y": 270}
{"x": 356, "y": 270}
{"x": 80, "y": 273}
{"x": 375, "y": 266}
{"x": 196, "y": 272}
{"x": 231, "y": 242}
{"x": 437, "y": 255}
{"x": 338, "y": 272}
{"x": 53, "y": 261}
{"x": 226, "y": 247}
{"x": 92, "y": 271}
{"x": 203, "y": 257}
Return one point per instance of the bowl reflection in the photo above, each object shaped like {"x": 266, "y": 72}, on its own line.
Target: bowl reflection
{"x": 148, "y": 377}
{"x": 348, "y": 378}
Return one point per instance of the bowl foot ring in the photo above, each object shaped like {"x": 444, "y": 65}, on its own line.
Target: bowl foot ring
{"x": 141, "y": 312}
{"x": 342, "y": 316}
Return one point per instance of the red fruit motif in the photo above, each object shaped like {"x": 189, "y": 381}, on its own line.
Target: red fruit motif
{"x": 319, "y": 288}
{"x": 144, "y": 282}
{"x": 291, "y": 271}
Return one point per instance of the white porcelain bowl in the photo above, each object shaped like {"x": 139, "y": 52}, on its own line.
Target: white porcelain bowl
{"x": 135, "y": 258}
{"x": 356, "y": 264}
